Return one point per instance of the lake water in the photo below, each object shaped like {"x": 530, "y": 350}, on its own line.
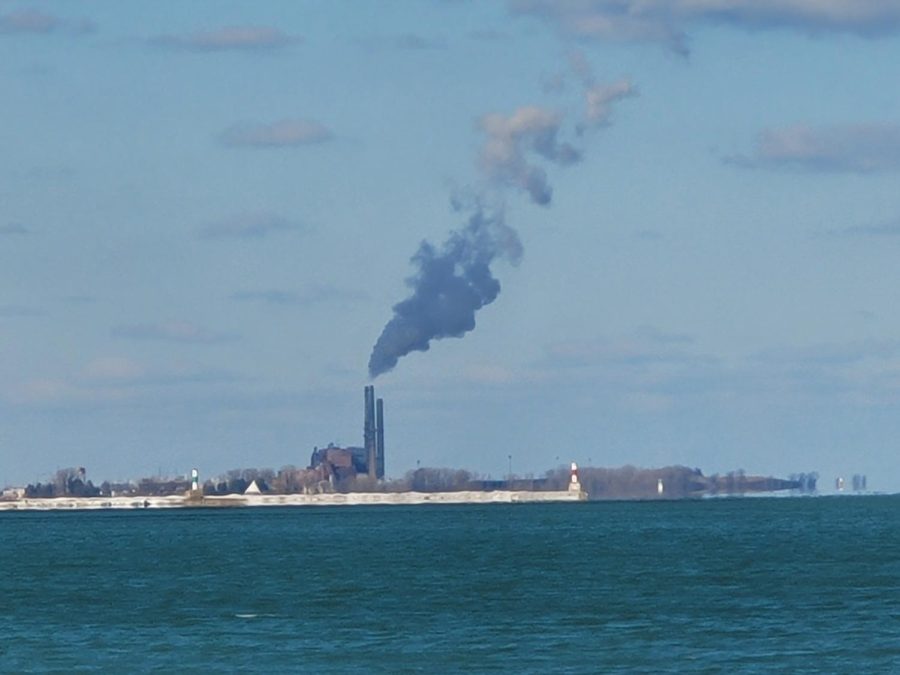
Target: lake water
{"x": 730, "y": 585}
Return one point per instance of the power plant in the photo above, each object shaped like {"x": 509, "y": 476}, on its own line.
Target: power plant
{"x": 373, "y": 434}
{"x": 338, "y": 464}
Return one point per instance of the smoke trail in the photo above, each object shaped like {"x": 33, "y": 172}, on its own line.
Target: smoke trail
{"x": 450, "y": 286}
{"x": 509, "y": 140}
{"x": 453, "y": 283}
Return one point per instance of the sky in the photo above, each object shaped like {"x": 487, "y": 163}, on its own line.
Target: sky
{"x": 608, "y": 231}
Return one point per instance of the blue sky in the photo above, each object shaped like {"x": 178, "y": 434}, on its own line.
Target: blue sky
{"x": 208, "y": 211}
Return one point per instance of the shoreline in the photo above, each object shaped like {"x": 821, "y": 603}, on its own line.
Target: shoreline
{"x": 329, "y": 499}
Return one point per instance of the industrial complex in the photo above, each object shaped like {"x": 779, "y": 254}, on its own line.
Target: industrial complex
{"x": 337, "y": 465}
{"x": 356, "y": 475}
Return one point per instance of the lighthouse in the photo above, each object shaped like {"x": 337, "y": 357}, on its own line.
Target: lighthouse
{"x": 574, "y": 484}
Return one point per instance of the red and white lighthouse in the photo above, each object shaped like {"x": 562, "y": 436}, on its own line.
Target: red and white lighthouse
{"x": 574, "y": 483}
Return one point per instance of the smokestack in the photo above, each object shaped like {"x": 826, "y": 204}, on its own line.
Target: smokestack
{"x": 379, "y": 438}
{"x": 369, "y": 440}
{"x": 366, "y": 420}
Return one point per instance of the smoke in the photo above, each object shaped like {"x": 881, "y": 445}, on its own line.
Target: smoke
{"x": 451, "y": 284}
{"x": 598, "y": 97}
{"x": 528, "y": 129}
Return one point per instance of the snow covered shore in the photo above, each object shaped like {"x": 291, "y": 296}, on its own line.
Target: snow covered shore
{"x": 331, "y": 499}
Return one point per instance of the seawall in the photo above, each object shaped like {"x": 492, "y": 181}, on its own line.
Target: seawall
{"x": 331, "y": 499}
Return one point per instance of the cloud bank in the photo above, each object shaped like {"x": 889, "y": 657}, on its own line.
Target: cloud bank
{"x": 403, "y": 41}
{"x": 315, "y": 295}
{"x": 232, "y": 38}
{"x": 851, "y": 148}
{"x": 890, "y": 229}
{"x": 174, "y": 331}
{"x": 666, "y": 21}
{"x": 248, "y": 226}
{"x": 18, "y": 311}
{"x": 36, "y": 22}
{"x": 13, "y": 229}
{"x": 281, "y": 134}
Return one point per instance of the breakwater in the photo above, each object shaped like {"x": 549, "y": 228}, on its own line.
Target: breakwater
{"x": 328, "y": 499}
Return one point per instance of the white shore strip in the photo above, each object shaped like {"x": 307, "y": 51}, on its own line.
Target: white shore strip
{"x": 330, "y": 499}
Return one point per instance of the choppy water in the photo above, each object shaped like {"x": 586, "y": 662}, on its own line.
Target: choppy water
{"x": 752, "y": 585}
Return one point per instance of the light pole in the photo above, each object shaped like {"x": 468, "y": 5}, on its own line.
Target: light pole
{"x": 509, "y": 475}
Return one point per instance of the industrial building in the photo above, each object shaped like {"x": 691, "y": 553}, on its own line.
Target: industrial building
{"x": 339, "y": 464}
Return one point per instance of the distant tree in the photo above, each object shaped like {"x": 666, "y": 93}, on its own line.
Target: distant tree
{"x": 360, "y": 483}
{"x": 291, "y": 480}
{"x": 237, "y": 486}
{"x": 62, "y": 480}
{"x": 40, "y": 490}
{"x": 438, "y": 479}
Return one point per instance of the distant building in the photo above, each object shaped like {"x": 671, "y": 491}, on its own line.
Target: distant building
{"x": 13, "y": 493}
{"x": 338, "y": 464}
{"x": 255, "y": 488}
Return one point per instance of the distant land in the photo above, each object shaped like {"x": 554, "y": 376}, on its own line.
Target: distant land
{"x": 356, "y": 471}
{"x": 319, "y": 485}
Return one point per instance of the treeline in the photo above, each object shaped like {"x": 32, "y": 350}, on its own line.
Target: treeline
{"x": 293, "y": 480}
{"x": 627, "y": 482}
{"x": 70, "y": 482}
{"x": 630, "y": 482}
{"x": 672, "y": 482}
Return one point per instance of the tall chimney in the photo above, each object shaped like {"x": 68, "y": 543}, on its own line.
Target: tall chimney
{"x": 369, "y": 439}
{"x": 379, "y": 438}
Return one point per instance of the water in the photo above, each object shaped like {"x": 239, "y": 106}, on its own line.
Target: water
{"x": 744, "y": 585}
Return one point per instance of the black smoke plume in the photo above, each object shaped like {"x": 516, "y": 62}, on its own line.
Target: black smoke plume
{"x": 449, "y": 287}
{"x": 452, "y": 283}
